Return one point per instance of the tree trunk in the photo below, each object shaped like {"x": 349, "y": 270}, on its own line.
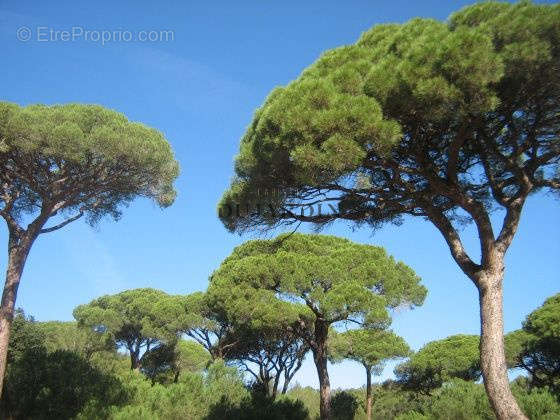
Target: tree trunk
{"x": 134, "y": 358}
{"x": 324, "y": 389}
{"x": 492, "y": 352}
{"x": 368, "y": 392}
{"x": 285, "y": 385}
{"x": 275, "y": 386}
{"x": 320, "y": 358}
{"x": 17, "y": 255}
{"x": 289, "y": 374}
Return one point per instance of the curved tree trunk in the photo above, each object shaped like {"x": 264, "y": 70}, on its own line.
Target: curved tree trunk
{"x": 17, "y": 254}
{"x": 492, "y": 350}
{"x": 368, "y": 392}
{"x": 488, "y": 278}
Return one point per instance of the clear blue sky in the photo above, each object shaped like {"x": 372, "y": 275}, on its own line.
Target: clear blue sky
{"x": 201, "y": 90}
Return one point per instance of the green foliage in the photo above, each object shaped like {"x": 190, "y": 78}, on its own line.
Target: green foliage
{"x": 52, "y": 384}
{"x": 193, "y": 397}
{"x": 439, "y": 361}
{"x": 166, "y": 362}
{"x": 49, "y": 378}
{"x": 258, "y": 407}
{"x": 460, "y": 400}
{"x": 84, "y": 158}
{"x": 537, "y": 403}
{"x": 466, "y": 400}
{"x": 309, "y": 398}
{"x": 441, "y": 120}
{"x": 135, "y": 319}
{"x": 191, "y": 356}
{"x": 57, "y": 385}
{"x": 326, "y": 275}
{"x": 344, "y": 406}
{"x": 545, "y": 321}
{"x": 205, "y": 323}
{"x": 69, "y": 336}
{"x": 390, "y": 400}
{"x": 25, "y": 335}
{"x": 271, "y": 354}
{"x": 367, "y": 346}
{"x": 412, "y": 415}
{"x": 310, "y": 283}
{"x": 395, "y": 123}
{"x": 536, "y": 347}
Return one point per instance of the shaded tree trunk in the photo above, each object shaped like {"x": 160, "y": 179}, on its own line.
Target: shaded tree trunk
{"x": 368, "y": 392}
{"x": 290, "y": 371}
{"x": 134, "y": 358}
{"x": 275, "y": 386}
{"x": 17, "y": 255}
{"x": 285, "y": 386}
{"x": 492, "y": 349}
{"x": 320, "y": 358}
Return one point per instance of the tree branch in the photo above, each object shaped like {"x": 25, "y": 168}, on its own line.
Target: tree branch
{"x": 62, "y": 224}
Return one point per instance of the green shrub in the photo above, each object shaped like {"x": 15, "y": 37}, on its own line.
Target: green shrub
{"x": 57, "y": 385}
{"x": 463, "y": 400}
{"x": 344, "y": 406}
{"x": 538, "y": 403}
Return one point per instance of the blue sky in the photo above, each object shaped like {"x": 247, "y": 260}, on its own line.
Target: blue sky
{"x": 201, "y": 89}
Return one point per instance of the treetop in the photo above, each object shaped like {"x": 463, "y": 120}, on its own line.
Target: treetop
{"x": 420, "y": 118}
{"x": 82, "y": 158}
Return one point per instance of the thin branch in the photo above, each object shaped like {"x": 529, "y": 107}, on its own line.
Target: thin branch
{"x": 62, "y": 224}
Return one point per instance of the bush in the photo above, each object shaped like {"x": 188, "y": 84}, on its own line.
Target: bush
{"x": 308, "y": 396}
{"x": 344, "y": 406}
{"x": 537, "y": 403}
{"x": 462, "y": 400}
{"x": 56, "y": 385}
{"x": 412, "y": 415}
{"x": 390, "y": 400}
{"x": 191, "y": 398}
{"x": 257, "y": 407}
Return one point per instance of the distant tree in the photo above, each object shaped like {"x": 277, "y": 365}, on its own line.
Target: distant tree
{"x": 167, "y": 361}
{"x": 203, "y": 323}
{"x": 191, "y": 357}
{"x": 369, "y": 347}
{"x": 439, "y": 361}
{"x": 210, "y": 320}
{"x": 70, "y": 336}
{"x": 56, "y": 385}
{"x": 44, "y": 382}
{"x": 344, "y": 405}
{"x": 446, "y": 121}
{"x": 26, "y": 335}
{"x": 271, "y": 354}
{"x": 536, "y": 347}
{"x": 315, "y": 281}
{"x": 133, "y": 319}
{"x": 71, "y": 161}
